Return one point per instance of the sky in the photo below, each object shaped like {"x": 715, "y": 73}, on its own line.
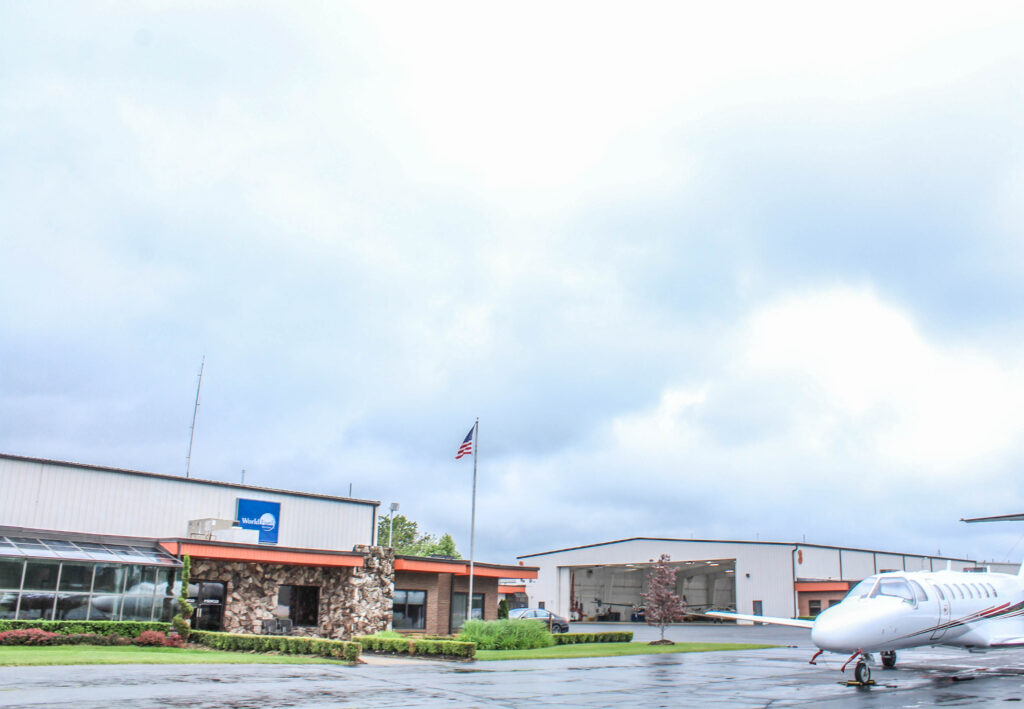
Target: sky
{"x": 702, "y": 270}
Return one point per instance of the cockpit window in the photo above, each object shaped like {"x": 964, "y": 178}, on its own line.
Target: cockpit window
{"x": 919, "y": 591}
{"x": 938, "y": 591}
{"x": 894, "y": 587}
{"x": 863, "y": 589}
{"x": 993, "y": 590}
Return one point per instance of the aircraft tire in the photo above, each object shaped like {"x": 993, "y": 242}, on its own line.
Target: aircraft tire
{"x": 862, "y": 672}
{"x": 889, "y": 659}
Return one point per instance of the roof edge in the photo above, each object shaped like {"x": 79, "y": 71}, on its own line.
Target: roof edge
{"x": 737, "y": 541}
{"x": 179, "y": 478}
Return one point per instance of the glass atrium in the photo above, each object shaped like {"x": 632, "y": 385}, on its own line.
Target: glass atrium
{"x": 63, "y": 579}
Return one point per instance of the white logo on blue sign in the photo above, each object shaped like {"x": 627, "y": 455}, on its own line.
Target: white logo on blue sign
{"x": 260, "y": 515}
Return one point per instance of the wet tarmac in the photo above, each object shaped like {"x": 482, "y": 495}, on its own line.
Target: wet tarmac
{"x": 755, "y": 678}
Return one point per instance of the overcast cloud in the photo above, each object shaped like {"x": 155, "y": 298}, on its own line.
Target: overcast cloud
{"x": 713, "y": 270}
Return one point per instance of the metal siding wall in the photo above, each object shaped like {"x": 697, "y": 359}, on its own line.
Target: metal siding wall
{"x": 64, "y": 498}
{"x": 818, "y": 563}
{"x": 857, "y": 565}
{"x": 892, "y": 562}
{"x": 769, "y": 566}
{"x": 771, "y": 578}
{"x": 917, "y": 563}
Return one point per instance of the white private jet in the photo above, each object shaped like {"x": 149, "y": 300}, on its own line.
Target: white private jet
{"x": 897, "y": 610}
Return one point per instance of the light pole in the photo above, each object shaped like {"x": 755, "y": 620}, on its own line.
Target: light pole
{"x": 391, "y": 522}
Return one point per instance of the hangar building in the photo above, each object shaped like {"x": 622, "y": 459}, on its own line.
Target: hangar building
{"x": 605, "y": 582}
{"x": 89, "y": 542}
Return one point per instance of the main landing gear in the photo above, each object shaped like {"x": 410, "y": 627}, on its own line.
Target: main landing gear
{"x": 888, "y": 659}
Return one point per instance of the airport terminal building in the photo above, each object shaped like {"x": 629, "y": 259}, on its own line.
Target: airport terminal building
{"x": 89, "y": 542}
{"x": 604, "y": 582}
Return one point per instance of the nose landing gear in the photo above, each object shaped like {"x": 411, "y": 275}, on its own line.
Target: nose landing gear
{"x": 888, "y": 659}
{"x": 862, "y": 670}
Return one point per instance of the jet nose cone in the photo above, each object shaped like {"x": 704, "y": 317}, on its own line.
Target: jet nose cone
{"x": 833, "y": 631}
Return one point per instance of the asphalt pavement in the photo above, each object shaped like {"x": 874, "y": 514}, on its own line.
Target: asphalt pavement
{"x": 755, "y": 678}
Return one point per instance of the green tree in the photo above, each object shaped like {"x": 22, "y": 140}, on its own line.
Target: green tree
{"x": 406, "y": 539}
{"x": 446, "y": 547}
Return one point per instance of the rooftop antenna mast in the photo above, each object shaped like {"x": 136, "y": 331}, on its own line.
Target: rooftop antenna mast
{"x": 195, "y": 412}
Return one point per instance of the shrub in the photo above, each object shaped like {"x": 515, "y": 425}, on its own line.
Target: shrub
{"x": 502, "y": 609}
{"x": 36, "y": 636}
{"x": 155, "y": 638}
{"x": 506, "y": 634}
{"x": 185, "y": 609}
{"x": 29, "y": 636}
{"x": 124, "y": 628}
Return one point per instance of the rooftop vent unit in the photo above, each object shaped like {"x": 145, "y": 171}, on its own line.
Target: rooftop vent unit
{"x": 205, "y": 528}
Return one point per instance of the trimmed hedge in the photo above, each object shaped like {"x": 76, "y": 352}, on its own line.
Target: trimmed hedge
{"x": 289, "y": 645}
{"x": 610, "y": 637}
{"x": 417, "y": 646}
{"x": 124, "y": 628}
{"x": 444, "y": 648}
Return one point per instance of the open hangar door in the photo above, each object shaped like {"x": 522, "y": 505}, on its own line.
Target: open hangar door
{"x": 614, "y": 592}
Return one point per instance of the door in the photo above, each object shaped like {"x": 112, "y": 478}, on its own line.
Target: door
{"x": 944, "y": 613}
{"x": 208, "y": 599}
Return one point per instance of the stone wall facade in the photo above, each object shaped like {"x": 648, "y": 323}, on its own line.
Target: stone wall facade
{"x": 353, "y": 600}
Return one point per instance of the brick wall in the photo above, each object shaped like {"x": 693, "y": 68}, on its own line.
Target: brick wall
{"x": 439, "y": 596}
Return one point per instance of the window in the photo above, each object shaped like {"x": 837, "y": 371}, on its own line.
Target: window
{"x": 410, "y": 610}
{"x": 919, "y": 591}
{"x": 995, "y": 593}
{"x": 970, "y": 593}
{"x": 302, "y": 603}
{"x": 814, "y": 607}
{"x": 10, "y": 573}
{"x": 894, "y": 587}
{"x": 459, "y": 608}
{"x": 980, "y": 588}
{"x": 939, "y": 593}
{"x": 863, "y": 589}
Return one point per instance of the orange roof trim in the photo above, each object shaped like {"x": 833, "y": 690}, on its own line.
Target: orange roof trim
{"x": 199, "y": 550}
{"x": 461, "y": 568}
{"x": 511, "y": 589}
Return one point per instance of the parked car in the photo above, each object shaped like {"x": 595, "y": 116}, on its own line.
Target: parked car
{"x": 557, "y": 623}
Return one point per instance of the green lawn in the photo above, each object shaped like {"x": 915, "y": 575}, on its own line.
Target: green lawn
{"x": 129, "y": 654}
{"x": 609, "y": 650}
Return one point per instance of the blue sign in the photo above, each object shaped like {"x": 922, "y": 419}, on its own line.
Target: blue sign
{"x": 259, "y": 514}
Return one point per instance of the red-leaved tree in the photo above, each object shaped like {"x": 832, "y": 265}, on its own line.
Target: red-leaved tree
{"x": 662, "y": 604}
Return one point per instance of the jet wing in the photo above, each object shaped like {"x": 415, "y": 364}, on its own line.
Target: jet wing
{"x": 794, "y": 622}
{"x": 1007, "y": 642}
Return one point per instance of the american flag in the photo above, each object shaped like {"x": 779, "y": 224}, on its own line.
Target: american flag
{"x": 467, "y": 445}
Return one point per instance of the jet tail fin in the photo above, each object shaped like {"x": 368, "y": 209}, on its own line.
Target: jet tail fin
{"x": 1000, "y": 518}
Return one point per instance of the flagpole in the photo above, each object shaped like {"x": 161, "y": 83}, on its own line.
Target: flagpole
{"x": 472, "y": 522}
